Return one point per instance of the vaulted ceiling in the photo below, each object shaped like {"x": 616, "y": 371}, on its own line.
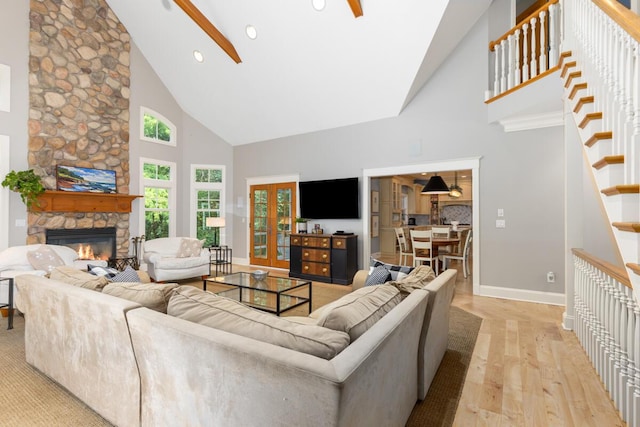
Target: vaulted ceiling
{"x": 307, "y": 70}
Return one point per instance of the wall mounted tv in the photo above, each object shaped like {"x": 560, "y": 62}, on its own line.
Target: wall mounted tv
{"x": 330, "y": 199}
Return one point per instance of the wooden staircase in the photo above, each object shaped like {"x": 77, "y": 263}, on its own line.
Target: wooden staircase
{"x": 621, "y": 199}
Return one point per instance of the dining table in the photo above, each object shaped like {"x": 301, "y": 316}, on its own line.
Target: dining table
{"x": 437, "y": 242}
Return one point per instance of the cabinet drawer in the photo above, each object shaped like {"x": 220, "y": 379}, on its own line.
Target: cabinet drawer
{"x": 339, "y": 243}
{"x": 318, "y": 255}
{"x": 296, "y": 241}
{"x": 316, "y": 242}
{"x": 317, "y": 269}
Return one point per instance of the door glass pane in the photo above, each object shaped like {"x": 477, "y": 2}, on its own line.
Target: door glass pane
{"x": 260, "y": 224}
{"x": 284, "y": 223}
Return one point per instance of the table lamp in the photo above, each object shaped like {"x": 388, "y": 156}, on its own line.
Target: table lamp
{"x": 216, "y": 223}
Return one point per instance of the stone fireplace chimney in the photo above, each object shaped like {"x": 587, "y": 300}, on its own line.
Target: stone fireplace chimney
{"x": 79, "y": 87}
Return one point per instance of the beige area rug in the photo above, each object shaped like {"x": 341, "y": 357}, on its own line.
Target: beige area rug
{"x": 29, "y": 398}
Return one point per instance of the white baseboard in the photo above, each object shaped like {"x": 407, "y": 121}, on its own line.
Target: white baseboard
{"x": 522, "y": 295}
{"x": 567, "y": 321}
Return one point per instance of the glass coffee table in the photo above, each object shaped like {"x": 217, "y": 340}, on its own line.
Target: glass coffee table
{"x": 273, "y": 294}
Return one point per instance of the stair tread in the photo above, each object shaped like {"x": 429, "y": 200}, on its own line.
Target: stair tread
{"x": 572, "y": 76}
{"x": 582, "y": 101}
{"x": 634, "y": 267}
{"x": 598, "y": 136}
{"x": 577, "y": 87}
{"x": 588, "y": 117}
{"x": 609, "y": 160}
{"x": 565, "y": 68}
{"x": 634, "y": 227}
{"x": 622, "y": 189}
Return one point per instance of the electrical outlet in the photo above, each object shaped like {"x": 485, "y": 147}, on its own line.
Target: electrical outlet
{"x": 551, "y": 277}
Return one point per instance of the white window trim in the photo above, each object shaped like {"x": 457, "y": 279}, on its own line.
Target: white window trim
{"x": 195, "y": 186}
{"x": 4, "y": 193}
{"x": 174, "y": 130}
{"x": 171, "y": 185}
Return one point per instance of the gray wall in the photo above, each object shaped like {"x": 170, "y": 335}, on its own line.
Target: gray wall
{"x": 520, "y": 172}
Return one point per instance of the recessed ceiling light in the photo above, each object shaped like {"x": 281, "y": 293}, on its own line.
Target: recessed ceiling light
{"x": 251, "y": 31}
{"x": 318, "y": 4}
{"x": 198, "y": 56}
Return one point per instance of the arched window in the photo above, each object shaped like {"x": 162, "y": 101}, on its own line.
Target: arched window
{"x": 156, "y": 128}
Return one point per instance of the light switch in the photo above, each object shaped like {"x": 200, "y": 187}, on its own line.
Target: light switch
{"x": 500, "y": 223}
{"x": 500, "y": 212}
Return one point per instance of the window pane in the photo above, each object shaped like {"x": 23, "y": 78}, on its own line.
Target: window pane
{"x": 209, "y": 175}
{"x": 164, "y": 133}
{"x": 164, "y": 172}
{"x": 156, "y": 129}
{"x": 150, "y": 171}
{"x": 156, "y": 224}
{"x": 156, "y": 198}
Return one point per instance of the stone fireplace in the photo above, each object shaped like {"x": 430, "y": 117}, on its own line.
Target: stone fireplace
{"x": 79, "y": 91}
{"x": 88, "y": 243}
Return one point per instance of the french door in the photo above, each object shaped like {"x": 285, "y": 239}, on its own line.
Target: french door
{"x": 273, "y": 210}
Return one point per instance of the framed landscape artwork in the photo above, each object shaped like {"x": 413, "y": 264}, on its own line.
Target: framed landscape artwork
{"x": 375, "y": 225}
{"x": 70, "y": 178}
{"x": 375, "y": 201}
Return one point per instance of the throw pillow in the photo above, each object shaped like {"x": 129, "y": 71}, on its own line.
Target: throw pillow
{"x": 195, "y": 305}
{"x": 75, "y": 277}
{"x": 393, "y": 269}
{"x": 378, "y": 276}
{"x": 189, "y": 248}
{"x": 128, "y": 275}
{"x": 154, "y": 296}
{"x": 358, "y": 311}
{"x": 417, "y": 279}
{"x": 98, "y": 270}
{"x": 44, "y": 258}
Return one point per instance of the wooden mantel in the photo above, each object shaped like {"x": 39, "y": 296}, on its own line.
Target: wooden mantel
{"x": 71, "y": 201}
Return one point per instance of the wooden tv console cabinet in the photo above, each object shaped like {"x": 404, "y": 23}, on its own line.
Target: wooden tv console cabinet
{"x": 324, "y": 257}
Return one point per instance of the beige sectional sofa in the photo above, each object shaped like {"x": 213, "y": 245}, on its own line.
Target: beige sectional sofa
{"x": 138, "y": 366}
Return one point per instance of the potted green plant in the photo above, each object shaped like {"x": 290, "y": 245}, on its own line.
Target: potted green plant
{"x": 302, "y": 224}
{"x": 27, "y": 184}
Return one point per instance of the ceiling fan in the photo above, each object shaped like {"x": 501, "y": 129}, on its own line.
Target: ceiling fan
{"x": 206, "y": 25}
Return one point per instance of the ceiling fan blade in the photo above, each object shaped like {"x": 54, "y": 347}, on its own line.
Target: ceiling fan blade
{"x": 206, "y": 25}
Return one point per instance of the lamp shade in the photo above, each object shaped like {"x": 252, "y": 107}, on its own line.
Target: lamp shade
{"x": 214, "y": 221}
{"x": 436, "y": 185}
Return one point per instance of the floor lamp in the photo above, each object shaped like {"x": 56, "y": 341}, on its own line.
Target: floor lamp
{"x": 217, "y": 223}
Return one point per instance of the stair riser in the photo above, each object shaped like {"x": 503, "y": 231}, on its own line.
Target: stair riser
{"x": 622, "y": 207}
{"x": 628, "y": 243}
{"x": 609, "y": 176}
{"x": 599, "y": 150}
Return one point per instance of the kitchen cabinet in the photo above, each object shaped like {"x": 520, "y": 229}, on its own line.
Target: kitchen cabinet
{"x": 420, "y": 202}
{"x": 390, "y": 213}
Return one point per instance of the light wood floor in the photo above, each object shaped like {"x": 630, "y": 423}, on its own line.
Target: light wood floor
{"x": 526, "y": 370}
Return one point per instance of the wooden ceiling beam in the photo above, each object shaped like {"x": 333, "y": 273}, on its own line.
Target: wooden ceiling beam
{"x": 206, "y": 25}
{"x": 356, "y": 7}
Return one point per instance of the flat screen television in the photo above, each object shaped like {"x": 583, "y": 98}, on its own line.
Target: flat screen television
{"x": 330, "y": 199}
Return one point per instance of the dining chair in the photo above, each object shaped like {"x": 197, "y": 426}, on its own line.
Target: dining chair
{"x": 442, "y": 232}
{"x": 423, "y": 249}
{"x": 405, "y": 253}
{"x": 463, "y": 255}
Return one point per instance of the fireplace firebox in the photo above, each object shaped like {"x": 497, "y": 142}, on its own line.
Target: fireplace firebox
{"x": 89, "y": 243}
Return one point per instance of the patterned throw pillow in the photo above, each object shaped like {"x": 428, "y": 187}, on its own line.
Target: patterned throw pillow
{"x": 378, "y": 276}
{"x": 128, "y": 275}
{"x": 397, "y": 271}
{"x": 44, "y": 258}
{"x": 98, "y": 270}
{"x": 189, "y": 248}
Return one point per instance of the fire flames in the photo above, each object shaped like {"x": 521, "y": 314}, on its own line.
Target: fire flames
{"x": 86, "y": 252}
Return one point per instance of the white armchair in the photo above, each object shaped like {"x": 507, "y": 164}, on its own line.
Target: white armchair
{"x": 166, "y": 260}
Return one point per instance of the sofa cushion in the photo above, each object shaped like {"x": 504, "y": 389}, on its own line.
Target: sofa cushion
{"x": 127, "y": 275}
{"x": 80, "y": 278}
{"x": 44, "y": 258}
{"x": 397, "y": 271}
{"x": 417, "y": 279}
{"x": 356, "y": 312}
{"x": 195, "y": 305}
{"x": 189, "y": 247}
{"x": 151, "y": 295}
{"x": 378, "y": 276}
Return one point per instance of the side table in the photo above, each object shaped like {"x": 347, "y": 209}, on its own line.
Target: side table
{"x": 9, "y": 304}
{"x": 220, "y": 260}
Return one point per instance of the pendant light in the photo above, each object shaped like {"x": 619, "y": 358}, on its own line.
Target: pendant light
{"x": 455, "y": 190}
{"x": 436, "y": 185}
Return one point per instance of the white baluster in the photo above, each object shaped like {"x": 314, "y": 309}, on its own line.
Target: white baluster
{"x": 496, "y": 82}
{"x": 543, "y": 45}
{"x": 525, "y": 53}
{"x": 510, "y": 62}
{"x": 503, "y": 73}
{"x": 517, "y": 71}
{"x": 533, "y": 64}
